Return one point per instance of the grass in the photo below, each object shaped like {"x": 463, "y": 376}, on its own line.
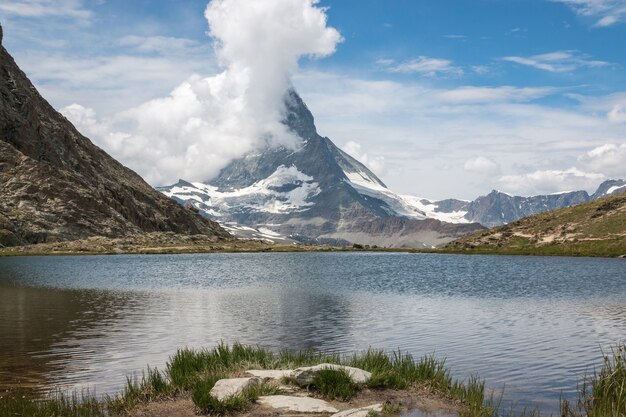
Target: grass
{"x": 195, "y": 372}
{"x": 59, "y": 404}
{"x": 602, "y": 394}
{"x": 335, "y": 384}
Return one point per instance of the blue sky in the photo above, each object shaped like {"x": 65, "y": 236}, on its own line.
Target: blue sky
{"x": 440, "y": 98}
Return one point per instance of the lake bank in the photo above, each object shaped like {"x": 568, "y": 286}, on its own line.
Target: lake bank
{"x": 247, "y": 381}
{"x": 371, "y": 383}
{"x": 160, "y": 244}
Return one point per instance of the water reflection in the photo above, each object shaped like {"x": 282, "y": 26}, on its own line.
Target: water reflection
{"x": 538, "y": 342}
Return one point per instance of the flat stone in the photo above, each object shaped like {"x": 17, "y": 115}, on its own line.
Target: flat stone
{"x": 359, "y": 412}
{"x": 297, "y": 404}
{"x": 271, "y": 373}
{"x": 225, "y": 388}
{"x": 305, "y": 376}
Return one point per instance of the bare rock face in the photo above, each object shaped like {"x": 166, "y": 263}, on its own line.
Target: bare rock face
{"x": 306, "y": 375}
{"x": 226, "y": 388}
{"x": 296, "y": 404}
{"x": 57, "y": 185}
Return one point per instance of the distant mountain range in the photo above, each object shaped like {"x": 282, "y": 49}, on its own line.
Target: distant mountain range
{"x": 498, "y": 208}
{"x": 56, "y": 185}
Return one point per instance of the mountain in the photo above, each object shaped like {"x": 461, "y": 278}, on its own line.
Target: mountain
{"x": 499, "y": 208}
{"x": 609, "y": 187}
{"x": 57, "y": 185}
{"x": 313, "y": 192}
{"x": 594, "y": 228}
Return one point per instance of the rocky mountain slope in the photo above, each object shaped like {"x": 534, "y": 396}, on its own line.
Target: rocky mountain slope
{"x": 313, "y": 192}
{"x": 595, "y": 228}
{"x": 56, "y": 185}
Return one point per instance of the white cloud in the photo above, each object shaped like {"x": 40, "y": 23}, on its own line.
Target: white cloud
{"x": 74, "y": 9}
{"x": 608, "y": 12}
{"x": 608, "y": 158}
{"x": 375, "y": 163}
{"x": 617, "y": 114}
{"x": 550, "y": 181}
{"x": 470, "y": 94}
{"x": 481, "y": 165}
{"x": 559, "y": 61}
{"x": 422, "y": 65}
{"x": 206, "y": 122}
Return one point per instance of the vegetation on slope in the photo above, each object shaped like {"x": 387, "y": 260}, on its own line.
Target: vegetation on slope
{"x": 597, "y": 228}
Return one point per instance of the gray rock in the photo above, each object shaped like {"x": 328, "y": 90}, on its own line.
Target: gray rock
{"x": 271, "y": 373}
{"x": 297, "y": 404}
{"x": 305, "y": 375}
{"x": 225, "y": 388}
{"x": 359, "y": 412}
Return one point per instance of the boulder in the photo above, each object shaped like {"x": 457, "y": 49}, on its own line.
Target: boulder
{"x": 225, "y": 388}
{"x": 271, "y": 373}
{"x": 297, "y": 404}
{"x": 305, "y": 376}
{"x": 359, "y": 412}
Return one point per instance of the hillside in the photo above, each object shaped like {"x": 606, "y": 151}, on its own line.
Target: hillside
{"x": 596, "y": 228}
{"x": 56, "y": 185}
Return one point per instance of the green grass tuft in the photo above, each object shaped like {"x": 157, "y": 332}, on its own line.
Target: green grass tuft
{"x": 334, "y": 384}
{"x": 74, "y": 405}
{"x": 604, "y": 393}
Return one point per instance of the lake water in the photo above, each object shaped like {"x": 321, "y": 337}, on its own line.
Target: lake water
{"x": 535, "y": 324}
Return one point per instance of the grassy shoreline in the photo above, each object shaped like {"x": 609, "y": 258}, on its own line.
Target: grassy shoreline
{"x": 192, "y": 373}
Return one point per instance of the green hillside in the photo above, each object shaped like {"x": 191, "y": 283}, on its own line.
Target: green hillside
{"x": 597, "y": 228}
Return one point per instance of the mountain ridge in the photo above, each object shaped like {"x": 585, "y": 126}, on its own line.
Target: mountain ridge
{"x": 57, "y": 185}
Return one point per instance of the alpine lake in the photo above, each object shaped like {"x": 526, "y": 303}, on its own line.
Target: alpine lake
{"x": 532, "y": 326}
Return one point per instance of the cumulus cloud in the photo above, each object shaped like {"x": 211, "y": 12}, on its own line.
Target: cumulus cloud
{"x": 559, "y": 61}
{"x": 608, "y": 158}
{"x": 375, "y": 163}
{"x": 481, "y": 165}
{"x": 550, "y": 181}
{"x": 206, "y": 122}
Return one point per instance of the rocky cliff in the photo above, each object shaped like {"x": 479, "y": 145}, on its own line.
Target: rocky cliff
{"x": 57, "y": 185}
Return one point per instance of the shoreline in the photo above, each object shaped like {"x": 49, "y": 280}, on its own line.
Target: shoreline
{"x": 246, "y": 381}
{"x": 95, "y": 247}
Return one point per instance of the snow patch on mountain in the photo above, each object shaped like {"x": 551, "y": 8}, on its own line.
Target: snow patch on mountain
{"x": 614, "y": 188}
{"x": 430, "y": 209}
{"x": 287, "y": 190}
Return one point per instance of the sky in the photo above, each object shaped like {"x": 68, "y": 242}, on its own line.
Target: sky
{"x": 449, "y": 98}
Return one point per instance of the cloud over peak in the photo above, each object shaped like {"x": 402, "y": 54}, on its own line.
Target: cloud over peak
{"x": 206, "y": 122}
